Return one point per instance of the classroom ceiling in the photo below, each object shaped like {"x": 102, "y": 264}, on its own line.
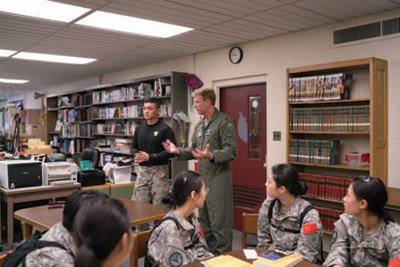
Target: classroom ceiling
{"x": 216, "y": 23}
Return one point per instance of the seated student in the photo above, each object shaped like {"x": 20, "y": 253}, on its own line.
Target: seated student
{"x": 102, "y": 233}
{"x": 364, "y": 235}
{"x": 178, "y": 242}
{"x": 62, "y": 234}
{"x": 287, "y": 222}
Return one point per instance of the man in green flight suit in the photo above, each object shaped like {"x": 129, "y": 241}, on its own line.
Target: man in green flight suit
{"x": 214, "y": 145}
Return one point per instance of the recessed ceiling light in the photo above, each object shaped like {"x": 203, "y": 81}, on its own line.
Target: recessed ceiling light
{"x": 6, "y": 53}
{"x": 53, "y": 58}
{"x": 12, "y": 81}
{"x": 43, "y": 9}
{"x": 110, "y": 21}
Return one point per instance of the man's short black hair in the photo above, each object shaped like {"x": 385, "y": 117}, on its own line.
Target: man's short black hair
{"x": 153, "y": 100}
{"x": 75, "y": 202}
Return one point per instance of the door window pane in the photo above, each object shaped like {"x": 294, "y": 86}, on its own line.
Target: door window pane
{"x": 254, "y": 127}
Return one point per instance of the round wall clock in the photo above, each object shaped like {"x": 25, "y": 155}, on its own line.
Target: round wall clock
{"x": 235, "y": 54}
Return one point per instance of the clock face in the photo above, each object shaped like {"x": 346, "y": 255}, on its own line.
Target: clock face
{"x": 235, "y": 54}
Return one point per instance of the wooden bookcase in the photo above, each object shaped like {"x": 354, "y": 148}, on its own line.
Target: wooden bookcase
{"x": 84, "y": 102}
{"x": 369, "y": 88}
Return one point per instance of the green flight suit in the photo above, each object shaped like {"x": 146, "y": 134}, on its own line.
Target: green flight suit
{"x": 216, "y": 217}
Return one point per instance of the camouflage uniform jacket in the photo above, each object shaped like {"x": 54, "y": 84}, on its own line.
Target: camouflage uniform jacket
{"x": 349, "y": 249}
{"x": 53, "y": 256}
{"x": 167, "y": 243}
{"x": 306, "y": 243}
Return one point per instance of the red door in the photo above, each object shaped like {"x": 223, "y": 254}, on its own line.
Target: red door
{"x": 247, "y": 106}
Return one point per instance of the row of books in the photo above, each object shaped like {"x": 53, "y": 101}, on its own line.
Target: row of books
{"x": 328, "y": 217}
{"x": 323, "y": 186}
{"x": 68, "y": 130}
{"x": 322, "y": 87}
{"x": 75, "y": 115}
{"x": 83, "y": 130}
{"x": 82, "y": 100}
{"x": 116, "y": 128}
{"x": 81, "y": 144}
{"x": 325, "y": 152}
{"x": 162, "y": 87}
{"x": 132, "y": 111}
{"x": 334, "y": 119}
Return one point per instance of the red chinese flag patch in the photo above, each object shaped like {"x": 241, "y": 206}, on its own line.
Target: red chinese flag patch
{"x": 310, "y": 228}
{"x": 201, "y": 232}
{"x": 395, "y": 262}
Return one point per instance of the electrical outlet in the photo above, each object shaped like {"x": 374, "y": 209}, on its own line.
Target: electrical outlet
{"x": 277, "y": 136}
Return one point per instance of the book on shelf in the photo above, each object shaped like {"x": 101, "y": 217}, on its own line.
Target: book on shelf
{"x": 226, "y": 261}
{"x": 276, "y": 259}
{"x": 335, "y": 86}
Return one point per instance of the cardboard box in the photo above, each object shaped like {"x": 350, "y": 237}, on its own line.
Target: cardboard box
{"x": 37, "y": 130}
{"x": 32, "y": 116}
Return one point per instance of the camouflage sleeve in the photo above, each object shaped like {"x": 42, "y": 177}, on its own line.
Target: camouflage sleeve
{"x": 309, "y": 242}
{"x": 392, "y": 241}
{"x": 202, "y": 249}
{"x": 49, "y": 257}
{"x": 263, "y": 232}
{"x": 167, "y": 249}
{"x": 339, "y": 253}
{"x": 228, "y": 141}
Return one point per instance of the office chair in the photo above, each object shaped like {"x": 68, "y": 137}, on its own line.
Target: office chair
{"x": 92, "y": 154}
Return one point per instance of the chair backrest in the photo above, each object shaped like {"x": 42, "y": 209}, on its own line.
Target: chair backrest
{"x": 139, "y": 248}
{"x": 4, "y": 257}
{"x": 249, "y": 226}
{"x": 92, "y": 154}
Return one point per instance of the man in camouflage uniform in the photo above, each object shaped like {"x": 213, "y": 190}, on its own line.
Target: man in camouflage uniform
{"x": 152, "y": 175}
{"x": 287, "y": 233}
{"x": 62, "y": 234}
{"x": 172, "y": 245}
{"x": 214, "y": 145}
{"x": 350, "y": 248}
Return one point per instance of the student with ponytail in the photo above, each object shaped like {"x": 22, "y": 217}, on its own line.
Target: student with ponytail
{"x": 286, "y": 222}
{"x": 103, "y": 233}
{"x": 364, "y": 235}
{"x": 177, "y": 240}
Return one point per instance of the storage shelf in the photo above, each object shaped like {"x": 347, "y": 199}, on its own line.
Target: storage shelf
{"x": 337, "y": 102}
{"x": 323, "y": 199}
{"x": 339, "y": 166}
{"x": 66, "y": 107}
{"x": 53, "y": 132}
{"x": 83, "y": 137}
{"x": 52, "y": 109}
{"x": 116, "y": 135}
{"x": 82, "y": 122}
{"x": 317, "y": 132}
{"x": 82, "y": 107}
{"x": 127, "y": 101}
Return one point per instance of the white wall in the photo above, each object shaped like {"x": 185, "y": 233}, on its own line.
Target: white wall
{"x": 267, "y": 60}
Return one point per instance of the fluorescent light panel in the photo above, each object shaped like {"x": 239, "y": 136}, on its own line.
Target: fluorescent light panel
{"x": 110, "y": 21}
{"x": 6, "y": 53}
{"x": 53, "y": 58}
{"x": 43, "y": 9}
{"x": 2, "y": 80}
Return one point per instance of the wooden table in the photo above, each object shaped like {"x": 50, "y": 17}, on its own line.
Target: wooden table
{"x": 240, "y": 255}
{"x": 13, "y": 196}
{"x": 43, "y": 218}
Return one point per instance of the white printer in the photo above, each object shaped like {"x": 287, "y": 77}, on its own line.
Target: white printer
{"x": 20, "y": 173}
{"x": 59, "y": 173}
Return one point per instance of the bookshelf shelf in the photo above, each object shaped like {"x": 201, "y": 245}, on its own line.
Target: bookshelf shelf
{"x": 336, "y": 102}
{"x": 339, "y": 166}
{"x": 317, "y": 132}
{"x": 335, "y": 118}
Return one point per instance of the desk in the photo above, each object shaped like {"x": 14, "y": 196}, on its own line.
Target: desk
{"x": 43, "y": 218}
{"x": 30, "y": 194}
{"x": 240, "y": 255}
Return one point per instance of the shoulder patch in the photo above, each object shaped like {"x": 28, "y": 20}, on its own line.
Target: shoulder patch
{"x": 175, "y": 259}
{"x": 230, "y": 126}
{"x": 395, "y": 262}
{"x": 310, "y": 228}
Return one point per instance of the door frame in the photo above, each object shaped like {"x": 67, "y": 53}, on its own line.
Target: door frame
{"x": 240, "y": 81}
